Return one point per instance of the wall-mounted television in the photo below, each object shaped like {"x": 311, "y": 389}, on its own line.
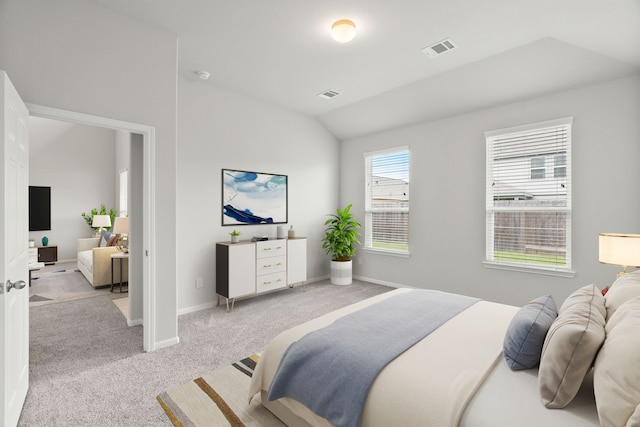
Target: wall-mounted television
{"x": 39, "y": 208}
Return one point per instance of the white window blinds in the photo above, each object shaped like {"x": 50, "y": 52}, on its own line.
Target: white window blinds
{"x": 387, "y": 200}
{"x": 528, "y": 204}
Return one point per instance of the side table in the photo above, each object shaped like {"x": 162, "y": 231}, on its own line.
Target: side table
{"x": 121, "y": 256}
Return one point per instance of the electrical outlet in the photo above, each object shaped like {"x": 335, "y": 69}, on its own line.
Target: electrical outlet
{"x": 199, "y": 282}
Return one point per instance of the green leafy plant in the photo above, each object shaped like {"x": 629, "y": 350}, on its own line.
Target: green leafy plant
{"x": 235, "y": 233}
{"x": 88, "y": 218}
{"x": 341, "y": 234}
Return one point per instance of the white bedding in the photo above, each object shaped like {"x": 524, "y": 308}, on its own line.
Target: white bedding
{"x": 430, "y": 387}
{"x": 511, "y": 398}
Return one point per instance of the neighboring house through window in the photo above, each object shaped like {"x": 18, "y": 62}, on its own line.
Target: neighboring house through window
{"x": 528, "y": 204}
{"x": 387, "y": 201}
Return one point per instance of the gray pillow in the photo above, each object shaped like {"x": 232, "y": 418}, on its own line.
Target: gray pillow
{"x": 571, "y": 346}
{"x": 616, "y": 374}
{"x": 527, "y": 331}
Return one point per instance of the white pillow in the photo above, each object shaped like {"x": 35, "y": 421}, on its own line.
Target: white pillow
{"x": 616, "y": 375}
{"x": 623, "y": 289}
{"x": 571, "y": 346}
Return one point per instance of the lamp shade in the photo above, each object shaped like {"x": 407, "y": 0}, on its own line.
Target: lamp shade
{"x": 343, "y": 30}
{"x": 101, "y": 221}
{"x": 619, "y": 249}
{"x": 121, "y": 225}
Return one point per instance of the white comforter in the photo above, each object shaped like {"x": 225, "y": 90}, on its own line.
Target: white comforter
{"x": 428, "y": 385}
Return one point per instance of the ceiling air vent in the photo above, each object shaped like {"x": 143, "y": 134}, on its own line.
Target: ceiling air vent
{"x": 439, "y": 48}
{"x": 328, "y": 94}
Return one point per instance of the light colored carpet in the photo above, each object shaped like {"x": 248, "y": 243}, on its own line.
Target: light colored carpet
{"x": 88, "y": 368}
{"x": 59, "y": 283}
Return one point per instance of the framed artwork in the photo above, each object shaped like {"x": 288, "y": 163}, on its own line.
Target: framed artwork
{"x": 253, "y": 198}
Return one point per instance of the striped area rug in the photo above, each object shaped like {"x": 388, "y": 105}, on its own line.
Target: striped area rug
{"x": 218, "y": 399}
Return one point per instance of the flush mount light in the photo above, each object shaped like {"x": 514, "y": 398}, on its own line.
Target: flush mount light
{"x": 343, "y": 30}
{"x": 203, "y": 75}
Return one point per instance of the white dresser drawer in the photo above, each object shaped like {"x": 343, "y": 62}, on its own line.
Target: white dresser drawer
{"x": 269, "y": 248}
{"x": 269, "y": 282}
{"x": 271, "y": 265}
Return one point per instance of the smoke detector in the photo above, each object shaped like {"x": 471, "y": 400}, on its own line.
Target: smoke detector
{"x": 328, "y": 94}
{"x": 439, "y": 48}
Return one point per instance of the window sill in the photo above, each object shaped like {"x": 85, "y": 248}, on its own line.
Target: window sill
{"x": 387, "y": 252}
{"x": 526, "y": 269}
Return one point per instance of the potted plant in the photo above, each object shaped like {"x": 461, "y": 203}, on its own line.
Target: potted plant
{"x": 235, "y": 236}
{"x": 341, "y": 234}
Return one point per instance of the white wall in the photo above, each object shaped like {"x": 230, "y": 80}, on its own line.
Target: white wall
{"x": 78, "y": 163}
{"x": 221, "y": 129}
{"x": 448, "y": 192}
{"x": 78, "y": 56}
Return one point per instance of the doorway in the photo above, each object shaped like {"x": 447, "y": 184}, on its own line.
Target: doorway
{"x": 141, "y": 224}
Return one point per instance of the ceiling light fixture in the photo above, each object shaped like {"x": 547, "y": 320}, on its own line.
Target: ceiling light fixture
{"x": 343, "y": 30}
{"x": 203, "y": 75}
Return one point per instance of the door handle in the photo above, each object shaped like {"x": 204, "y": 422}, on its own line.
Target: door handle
{"x": 10, "y": 285}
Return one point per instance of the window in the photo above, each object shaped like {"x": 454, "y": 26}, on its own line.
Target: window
{"x": 387, "y": 201}
{"x": 537, "y": 167}
{"x": 123, "y": 208}
{"x": 528, "y": 212}
{"x": 560, "y": 166}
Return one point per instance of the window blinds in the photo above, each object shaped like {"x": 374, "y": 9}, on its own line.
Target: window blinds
{"x": 529, "y": 196}
{"x": 387, "y": 200}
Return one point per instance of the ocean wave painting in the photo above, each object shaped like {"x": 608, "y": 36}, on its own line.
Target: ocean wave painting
{"x": 253, "y": 198}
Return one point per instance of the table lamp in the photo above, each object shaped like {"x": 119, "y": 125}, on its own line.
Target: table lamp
{"x": 100, "y": 221}
{"x": 619, "y": 249}
{"x": 121, "y": 227}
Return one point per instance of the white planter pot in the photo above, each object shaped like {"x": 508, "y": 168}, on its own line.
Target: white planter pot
{"x": 341, "y": 272}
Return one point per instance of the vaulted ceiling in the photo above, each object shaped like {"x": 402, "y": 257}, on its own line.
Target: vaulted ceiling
{"x": 506, "y": 50}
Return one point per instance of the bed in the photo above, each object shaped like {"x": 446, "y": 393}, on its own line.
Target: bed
{"x": 463, "y": 372}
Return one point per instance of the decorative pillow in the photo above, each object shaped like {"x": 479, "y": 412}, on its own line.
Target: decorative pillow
{"x": 623, "y": 289}
{"x": 571, "y": 346}
{"x": 526, "y": 332}
{"x": 616, "y": 375}
{"x": 112, "y": 240}
{"x": 103, "y": 240}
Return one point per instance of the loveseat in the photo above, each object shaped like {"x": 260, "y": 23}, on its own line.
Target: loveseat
{"x": 94, "y": 261}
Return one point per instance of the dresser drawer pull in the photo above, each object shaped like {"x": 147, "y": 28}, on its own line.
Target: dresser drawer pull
{"x": 267, "y": 265}
{"x": 266, "y": 283}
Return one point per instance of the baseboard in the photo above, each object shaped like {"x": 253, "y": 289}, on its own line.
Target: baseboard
{"x": 208, "y": 305}
{"x": 381, "y": 282}
{"x": 166, "y": 343}
{"x": 195, "y": 308}
{"x": 135, "y": 322}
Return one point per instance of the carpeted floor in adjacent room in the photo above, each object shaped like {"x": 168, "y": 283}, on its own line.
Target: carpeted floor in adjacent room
{"x": 88, "y": 367}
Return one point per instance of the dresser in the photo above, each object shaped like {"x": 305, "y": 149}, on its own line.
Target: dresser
{"x": 248, "y": 268}
{"x": 45, "y": 254}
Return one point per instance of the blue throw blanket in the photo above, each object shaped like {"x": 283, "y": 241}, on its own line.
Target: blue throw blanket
{"x": 331, "y": 370}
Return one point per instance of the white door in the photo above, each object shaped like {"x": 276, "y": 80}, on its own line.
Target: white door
{"x": 14, "y": 273}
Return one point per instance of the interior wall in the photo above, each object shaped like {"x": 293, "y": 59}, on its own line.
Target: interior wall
{"x": 222, "y": 129}
{"x": 78, "y": 163}
{"x": 447, "y": 220}
{"x": 78, "y": 56}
